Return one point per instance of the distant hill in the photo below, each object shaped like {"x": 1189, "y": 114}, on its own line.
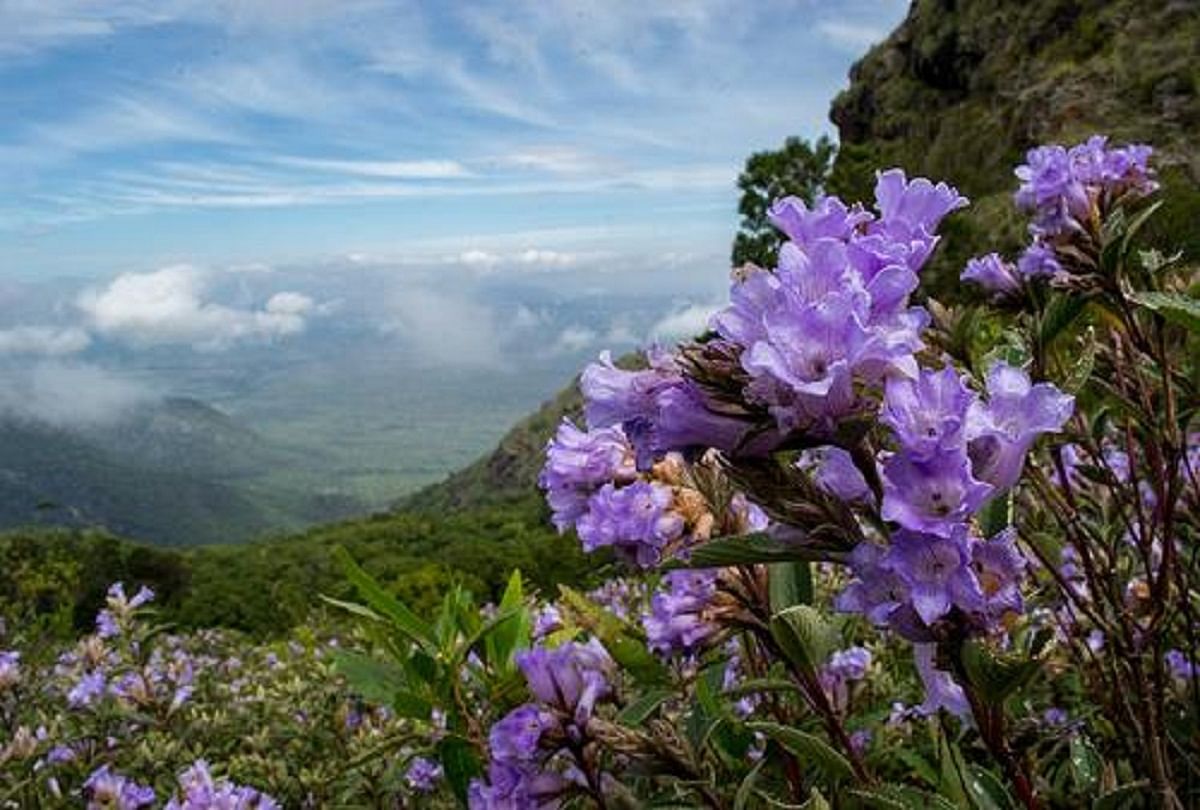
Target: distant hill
{"x": 510, "y": 471}
{"x": 172, "y": 473}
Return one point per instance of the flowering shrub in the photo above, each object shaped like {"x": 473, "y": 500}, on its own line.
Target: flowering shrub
{"x": 870, "y": 552}
{"x": 134, "y": 717}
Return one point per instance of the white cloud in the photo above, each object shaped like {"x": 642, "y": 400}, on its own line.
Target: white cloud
{"x": 71, "y": 394}
{"x": 46, "y": 341}
{"x": 554, "y": 159}
{"x": 575, "y": 338}
{"x": 444, "y": 328}
{"x": 393, "y": 169}
{"x": 683, "y": 323}
{"x": 169, "y": 306}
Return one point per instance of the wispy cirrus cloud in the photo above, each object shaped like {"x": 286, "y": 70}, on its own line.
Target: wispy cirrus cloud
{"x": 417, "y": 115}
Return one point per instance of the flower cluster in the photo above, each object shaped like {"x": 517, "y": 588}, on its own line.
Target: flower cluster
{"x": 676, "y": 622}
{"x": 1067, "y": 192}
{"x": 198, "y": 790}
{"x": 955, "y": 450}
{"x": 834, "y": 315}
{"x": 534, "y": 747}
{"x": 592, "y": 484}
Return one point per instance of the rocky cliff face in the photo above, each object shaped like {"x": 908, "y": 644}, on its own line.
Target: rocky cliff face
{"x": 962, "y": 88}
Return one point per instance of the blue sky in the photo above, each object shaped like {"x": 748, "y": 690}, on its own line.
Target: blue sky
{"x": 213, "y": 133}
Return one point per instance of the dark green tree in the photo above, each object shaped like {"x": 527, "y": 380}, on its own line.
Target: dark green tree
{"x": 799, "y": 169}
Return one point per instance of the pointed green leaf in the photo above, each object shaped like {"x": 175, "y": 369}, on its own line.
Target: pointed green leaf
{"x": 746, "y": 788}
{"x": 460, "y": 765}
{"x": 996, "y": 675}
{"x": 1182, "y": 310}
{"x": 1120, "y": 797}
{"x": 810, "y": 749}
{"x": 789, "y": 584}
{"x": 385, "y": 604}
{"x": 750, "y": 549}
{"x": 644, "y": 707}
{"x": 377, "y": 681}
{"x": 804, "y": 636}
{"x": 1086, "y": 764}
{"x": 513, "y": 634}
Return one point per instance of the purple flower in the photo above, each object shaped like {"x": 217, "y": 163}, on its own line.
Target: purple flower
{"x": 937, "y": 571}
{"x": 803, "y": 370}
{"x": 516, "y": 737}
{"x": 829, "y": 218}
{"x": 927, "y": 413}
{"x": 941, "y": 690}
{"x": 860, "y": 740}
{"x": 993, "y": 275}
{"x": 423, "y": 775}
{"x": 676, "y": 623}
{"x": 835, "y": 472}
{"x": 1061, "y": 188}
{"x": 1001, "y": 432}
{"x": 876, "y": 591}
{"x": 106, "y": 790}
{"x": 999, "y": 569}
{"x": 579, "y": 463}
{"x": 911, "y": 210}
{"x": 60, "y": 754}
{"x": 87, "y": 690}
{"x": 199, "y": 791}
{"x": 931, "y": 495}
{"x": 1181, "y": 667}
{"x": 628, "y": 399}
{"x": 1049, "y": 190}
{"x": 1055, "y": 716}
{"x": 636, "y": 519}
{"x": 1039, "y": 261}
{"x": 516, "y": 788}
{"x": 10, "y": 669}
{"x": 571, "y": 678}
{"x": 850, "y": 664}
{"x": 685, "y": 419}
{"x": 547, "y": 620}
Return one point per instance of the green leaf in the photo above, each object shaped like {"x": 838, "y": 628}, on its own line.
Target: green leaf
{"x": 1119, "y": 797}
{"x": 512, "y": 634}
{"x": 899, "y": 797}
{"x": 815, "y": 801}
{"x": 1182, "y": 310}
{"x": 803, "y": 635}
{"x": 761, "y": 685}
{"x": 362, "y": 611}
{"x": 996, "y": 515}
{"x": 1062, "y": 311}
{"x": 1082, "y": 370}
{"x": 1086, "y": 764}
{"x": 746, "y": 788}
{"x": 996, "y": 675}
{"x": 810, "y": 749}
{"x": 377, "y": 681}
{"x": 385, "y": 604}
{"x": 641, "y": 709}
{"x": 484, "y": 633}
{"x": 1137, "y": 224}
{"x": 789, "y": 584}
{"x": 750, "y": 549}
{"x": 459, "y": 764}
{"x": 986, "y": 791}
